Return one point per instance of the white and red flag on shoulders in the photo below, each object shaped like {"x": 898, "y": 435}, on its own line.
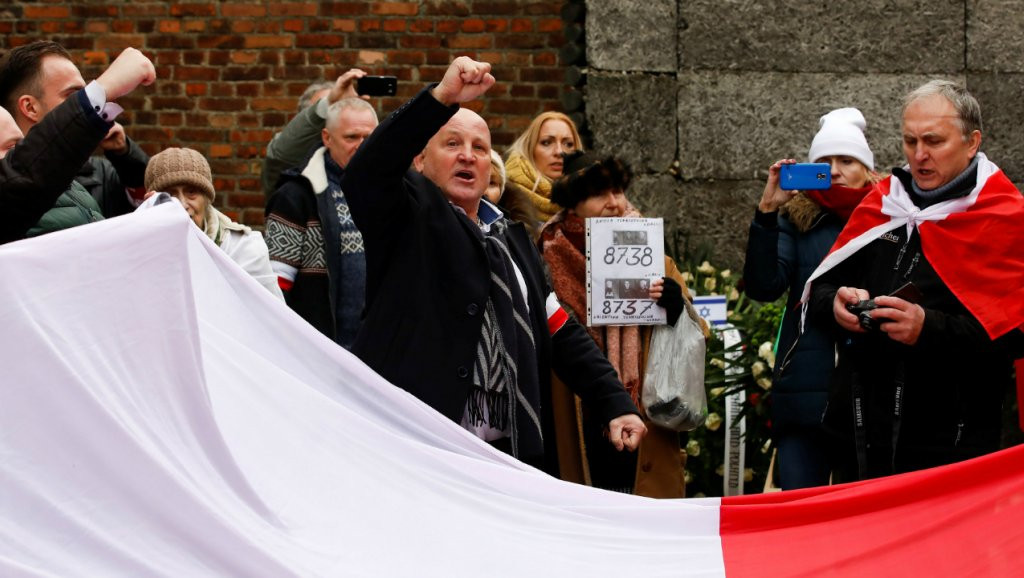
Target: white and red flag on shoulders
{"x": 975, "y": 244}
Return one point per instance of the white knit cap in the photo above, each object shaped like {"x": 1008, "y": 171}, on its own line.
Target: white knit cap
{"x": 842, "y": 133}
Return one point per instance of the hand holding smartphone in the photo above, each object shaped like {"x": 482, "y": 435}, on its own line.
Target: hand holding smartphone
{"x": 377, "y": 85}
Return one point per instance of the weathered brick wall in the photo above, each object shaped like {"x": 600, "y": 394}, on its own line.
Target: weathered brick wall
{"x": 229, "y": 73}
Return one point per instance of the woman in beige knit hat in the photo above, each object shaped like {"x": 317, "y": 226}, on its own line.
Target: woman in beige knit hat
{"x": 184, "y": 174}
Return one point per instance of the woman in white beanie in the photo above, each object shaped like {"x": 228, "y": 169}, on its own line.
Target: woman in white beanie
{"x": 184, "y": 174}
{"x": 790, "y": 234}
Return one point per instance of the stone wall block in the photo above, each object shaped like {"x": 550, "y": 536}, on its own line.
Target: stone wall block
{"x": 1002, "y": 115}
{"x": 733, "y": 125}
{"x": 799, "y": 36}
{"x": 635, "y": 35}
{"x": 715, "y": 219}
{"x": 634, "y": 117}
{"x": 658, "y": 196}
{"x": 994, "y": 39}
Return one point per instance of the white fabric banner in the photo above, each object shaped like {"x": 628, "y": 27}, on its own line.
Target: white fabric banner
{"x": 163, "y": 415}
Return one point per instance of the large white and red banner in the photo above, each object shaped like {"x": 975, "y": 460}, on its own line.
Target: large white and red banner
{"x": 161, "y": 414}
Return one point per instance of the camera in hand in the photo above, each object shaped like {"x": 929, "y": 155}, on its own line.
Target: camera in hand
{"x": 862, "y": 309}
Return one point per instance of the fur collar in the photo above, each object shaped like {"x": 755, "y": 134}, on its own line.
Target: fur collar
{"x": 802, "y": 212}
{"x": 315, "y": 172}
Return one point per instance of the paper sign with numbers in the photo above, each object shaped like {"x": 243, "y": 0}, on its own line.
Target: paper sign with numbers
{"x": 624, "y": 255}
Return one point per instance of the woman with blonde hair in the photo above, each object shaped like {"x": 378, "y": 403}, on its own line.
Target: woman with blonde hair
{"x": 535, "y": 158}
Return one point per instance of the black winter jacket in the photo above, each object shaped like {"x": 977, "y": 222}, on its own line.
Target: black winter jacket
{"x": 428, "y": 281}
{"x": 954, "y": 378}
{"x": 781, "y": 254}
{"x": 42, "y": 166}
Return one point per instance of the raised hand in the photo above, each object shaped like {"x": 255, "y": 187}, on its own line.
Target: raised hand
{"x": 774, "y": 196}
{"x": 130, "y": 69}
{"x": 465, "y": 80}
{"x": 345, "y": 86}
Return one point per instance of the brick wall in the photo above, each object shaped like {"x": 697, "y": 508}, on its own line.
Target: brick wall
{"x": 230, "y": 73}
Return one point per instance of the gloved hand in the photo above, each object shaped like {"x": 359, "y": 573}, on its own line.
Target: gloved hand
{"x": 672, "y": 300}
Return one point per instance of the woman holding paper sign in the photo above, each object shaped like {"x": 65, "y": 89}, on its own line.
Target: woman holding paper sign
{"x": 791, "y": 233}
{"x": 593, "y": 187}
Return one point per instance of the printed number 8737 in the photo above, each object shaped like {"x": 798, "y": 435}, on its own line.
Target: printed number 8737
{"x": 626, "y": 307}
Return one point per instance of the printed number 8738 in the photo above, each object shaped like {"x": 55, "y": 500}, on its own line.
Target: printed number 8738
{"x": 629, "y": 255}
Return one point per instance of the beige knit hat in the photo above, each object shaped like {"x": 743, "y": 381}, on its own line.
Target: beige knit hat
{"x": 177, "y": 166}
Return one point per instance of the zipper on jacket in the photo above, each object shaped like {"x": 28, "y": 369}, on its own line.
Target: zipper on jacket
{"x": 913, "y": 264}
{"x": 959, "y": 432}
{"x": 899, "y": 256}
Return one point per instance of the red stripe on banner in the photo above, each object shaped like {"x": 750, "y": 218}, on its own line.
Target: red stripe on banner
{"x": 556, "y": 320}
{"x": 958, "y": 520}
{"x": 284, "y": 284}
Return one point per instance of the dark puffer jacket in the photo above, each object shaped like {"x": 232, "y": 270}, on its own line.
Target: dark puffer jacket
{"x": 107, "y": 177}
{"x": 782, "y": 252}
{"x": 41, "y": 168}
{"x": 73, "y": 208}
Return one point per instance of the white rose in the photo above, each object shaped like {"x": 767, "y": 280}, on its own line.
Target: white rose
{"x": 693, "y": 448}
{"x": 758, "y": 368}
{"x": 765, "y": 383}
{"x": 713, "y": 421}
{"x": 706, "y": 269}
{"x": 734, "y": 295}
{"x": 767, "y": 353}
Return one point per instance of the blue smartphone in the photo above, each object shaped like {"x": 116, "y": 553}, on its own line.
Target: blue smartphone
{"x": 805, "y": 176}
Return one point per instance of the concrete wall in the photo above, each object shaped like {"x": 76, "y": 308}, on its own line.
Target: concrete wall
{"x": 725, "y": 88}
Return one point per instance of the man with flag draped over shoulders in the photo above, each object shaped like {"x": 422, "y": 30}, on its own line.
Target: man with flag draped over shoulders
{"x": 938, "y": 250}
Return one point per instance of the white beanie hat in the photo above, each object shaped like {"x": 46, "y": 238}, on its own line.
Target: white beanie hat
{"x": 842, "y": 133}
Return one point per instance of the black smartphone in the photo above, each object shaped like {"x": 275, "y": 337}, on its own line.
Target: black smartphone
{"x": 377, "y": 85}
{"x": 805, "y": 177}
{"x": 908, "y": 292}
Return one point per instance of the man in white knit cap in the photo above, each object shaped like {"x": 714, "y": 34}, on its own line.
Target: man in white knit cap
{"x": 921, "y": 377}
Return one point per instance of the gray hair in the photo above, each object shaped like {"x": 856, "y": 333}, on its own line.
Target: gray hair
{"x": 968, "y": 111}
{"x": 334, "y": 111}
{"x": 307, "y": 97}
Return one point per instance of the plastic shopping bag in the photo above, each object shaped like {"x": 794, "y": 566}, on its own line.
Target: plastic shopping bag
{"x": 673, "y": 395}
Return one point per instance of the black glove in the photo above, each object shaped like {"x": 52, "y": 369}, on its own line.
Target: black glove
{"x": 672, "y": 300}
